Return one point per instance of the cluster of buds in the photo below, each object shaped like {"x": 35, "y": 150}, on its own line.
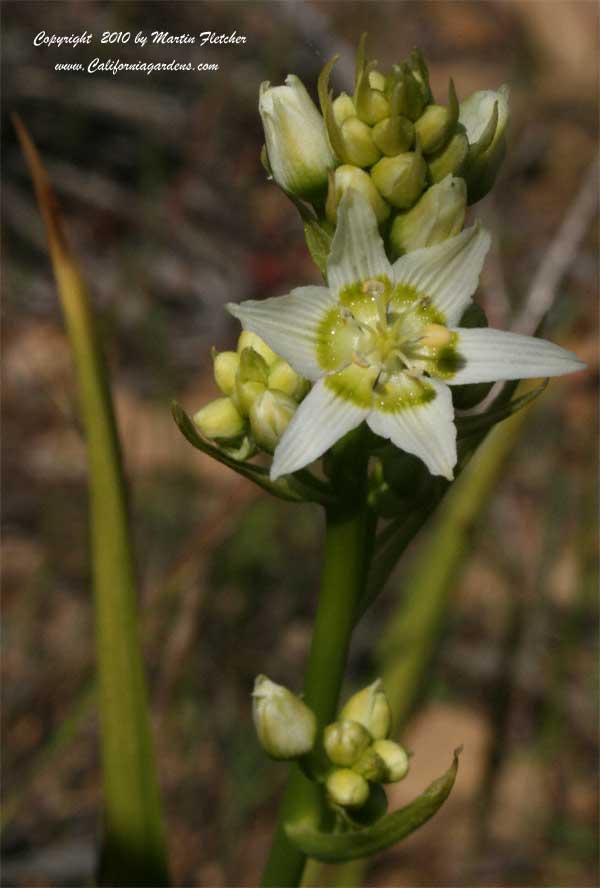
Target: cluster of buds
{"x": 261, "y": 393}
{"x": 356, "y": 747}
{"x": 417, "y": 162}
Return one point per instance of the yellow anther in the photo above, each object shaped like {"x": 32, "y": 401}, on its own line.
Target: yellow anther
{"x": 436, "y": 336}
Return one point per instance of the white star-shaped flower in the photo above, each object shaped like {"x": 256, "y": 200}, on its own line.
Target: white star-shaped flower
{"x": 381, "y": 343}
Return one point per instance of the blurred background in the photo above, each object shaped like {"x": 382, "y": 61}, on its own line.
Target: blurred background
{"x": 170, "y": 214}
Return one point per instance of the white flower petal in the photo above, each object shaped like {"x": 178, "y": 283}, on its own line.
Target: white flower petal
{"x": 288, "y": 324}
{"x": 320, "y": 420}
{"x": 448, "y": 272}
{"x": 490, "y": 355}
{"x": 357, "y": 252}
{"x": 427, "y": 430}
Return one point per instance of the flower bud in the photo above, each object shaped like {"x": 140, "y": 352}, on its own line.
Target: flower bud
{"x": 436, "y": 124}
{"x": 438, "y": 215}
{"x": 251, "y": 340}
{"x": 377, "y": 80}
{"x": 394, "y": 758}
{"x": 484, "y": 115}
{"x": 347, "y": 176}
{"x": 370, "y": 103}
{"x": 220, "y": 420}
{"x": 283, "y": 378}
{"x": 343, "y": 108}
{"x": 450, "y": 159}
{"x": 394, "y": 135}
{"x": 270, "y": 414}
{"x": 347, "y": 788}
{"x": 345, "y": 742}
{"x": 297, "y": 147}
{"x": 370, "y": 708}
{"x": 370, "y": 766}
{"x": 350, "y": 138}
{"x": 286, "y": 727}
{"x": 246, "y": 394}
{"x": 358, "y": 145}
{"x": 225, "y": 368}
{"x": 400, "y": 179}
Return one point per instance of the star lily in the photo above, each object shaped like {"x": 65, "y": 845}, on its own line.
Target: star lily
{"x": 381, "y": 343}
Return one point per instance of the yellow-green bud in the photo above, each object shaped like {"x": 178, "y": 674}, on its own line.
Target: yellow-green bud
{"x": 400, "y": 179}
{"x": 370, "y": 103}
{"x": 377, "y": 80}
{"x": 345, "y": 742}
{"x": 246, "y": 394}
{"x": 343, "y": 108}
{"x": 358, "y": 144}
{"x": 437, "y": 123}
{"x": 347, "y": 788}
{"x": 225, "y": 368}
{"x": 438, "y": 215}
{"x": 394, "y": 758}
{"x": 432, "y": 128}
{"x": 450, "y": 159}
{"x": 370, "y": 766}
{"x": 370, "y": 708}
{"x": 348, "y": 176}
{"x": 485, "y": 116}
{"x": 296, "y": 140}
{"x": 394, "y": 135}
{"x": 251, "y": 340}
{"x": 270, "y": 414}
{"x": 284, "y": 378}
{"x": 286, "y": 727}
{"x": 220, "y": 420}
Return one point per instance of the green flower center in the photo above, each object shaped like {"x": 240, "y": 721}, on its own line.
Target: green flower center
{"x": 380, "y": 340}
{"x": 393, "y": 329}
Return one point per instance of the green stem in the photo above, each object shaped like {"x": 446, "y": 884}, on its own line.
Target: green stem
{"x": 346, "y": 547}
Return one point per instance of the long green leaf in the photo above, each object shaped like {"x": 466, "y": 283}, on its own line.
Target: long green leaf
{"x": 340, "y": 847}
{"x": 133, "y": 846}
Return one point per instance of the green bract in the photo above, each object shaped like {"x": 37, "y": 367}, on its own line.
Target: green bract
{"x": 484, "y": 116}
{"x": 381, "y": 343}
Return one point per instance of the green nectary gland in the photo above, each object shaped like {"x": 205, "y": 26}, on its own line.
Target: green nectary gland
{"x": 375, "y": 335}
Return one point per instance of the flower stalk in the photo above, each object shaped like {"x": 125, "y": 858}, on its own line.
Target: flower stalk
{"x": 346, "y": 547}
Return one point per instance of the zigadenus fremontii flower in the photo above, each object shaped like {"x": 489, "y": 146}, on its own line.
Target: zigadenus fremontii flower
{"x": 381, "y": 343}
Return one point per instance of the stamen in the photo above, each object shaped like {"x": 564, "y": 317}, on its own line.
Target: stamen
{"x": 377, "y": 290}
{"x": 373, "y": 288}
{"x": 359, "y": 360}
{"x": 436, "y": 336}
